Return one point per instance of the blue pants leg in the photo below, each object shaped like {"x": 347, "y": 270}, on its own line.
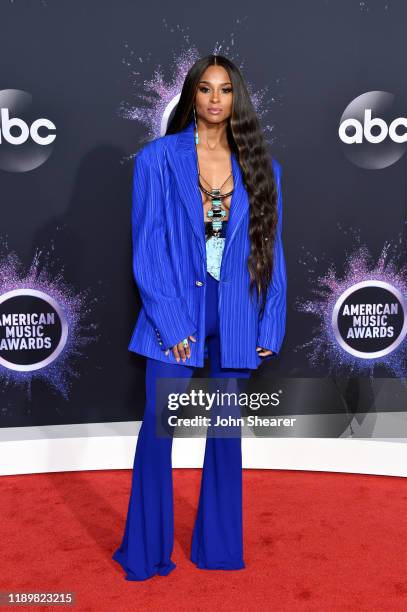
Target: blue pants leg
{"x": 148, "y": 538}
{"x": 217, "y": 541}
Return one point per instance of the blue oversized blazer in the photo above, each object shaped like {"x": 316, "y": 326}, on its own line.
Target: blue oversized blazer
{"x": 169, "y": 262}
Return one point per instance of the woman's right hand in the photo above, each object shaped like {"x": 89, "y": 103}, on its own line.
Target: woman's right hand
{"x": 181, "y": 351}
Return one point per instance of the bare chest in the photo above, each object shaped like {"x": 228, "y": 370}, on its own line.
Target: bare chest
{"x": 216, "y": 173}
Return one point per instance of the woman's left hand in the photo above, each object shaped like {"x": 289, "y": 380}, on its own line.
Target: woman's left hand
{"x": 262, "y": 352}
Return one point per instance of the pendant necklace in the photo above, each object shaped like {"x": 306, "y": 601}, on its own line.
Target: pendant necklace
{"x": 216, "y": 212}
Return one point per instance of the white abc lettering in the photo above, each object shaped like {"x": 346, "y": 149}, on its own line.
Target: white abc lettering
{"x": 392, "y": 130}
{"x": 369, "y": 123}
{"x": 7, "y": 124}
{"x": 356, "y": 137}
{"x": 366, "y": 129}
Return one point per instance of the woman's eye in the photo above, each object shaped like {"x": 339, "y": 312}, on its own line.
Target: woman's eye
{"x": 206, "y": 89}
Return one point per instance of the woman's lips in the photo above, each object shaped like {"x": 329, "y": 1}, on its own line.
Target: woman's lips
{"x": 214, "y": 111}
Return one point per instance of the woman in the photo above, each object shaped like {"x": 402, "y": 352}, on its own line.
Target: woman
{"x": 209, "y": 264}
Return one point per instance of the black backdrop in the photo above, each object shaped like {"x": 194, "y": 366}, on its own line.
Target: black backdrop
{"x": 77, "y": 58}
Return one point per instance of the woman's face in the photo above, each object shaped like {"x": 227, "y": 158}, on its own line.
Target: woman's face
{"x": 214, "y": 95}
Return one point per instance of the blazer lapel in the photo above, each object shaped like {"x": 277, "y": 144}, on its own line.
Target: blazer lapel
{"x": 182, "y": 158}
{"x": 183, "y": 162}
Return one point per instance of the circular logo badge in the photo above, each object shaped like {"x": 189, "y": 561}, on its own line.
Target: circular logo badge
{"x": 369, "y": 319}
{"x": 26, "y": 137}
{"x": 33, "y": 329}
{"x": 373, "y": 130}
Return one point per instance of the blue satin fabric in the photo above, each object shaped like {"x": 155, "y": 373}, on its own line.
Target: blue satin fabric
{"x": 217, "y": 538}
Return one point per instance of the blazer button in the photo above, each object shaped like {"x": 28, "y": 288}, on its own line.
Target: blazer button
{"x": 199, "y": 283}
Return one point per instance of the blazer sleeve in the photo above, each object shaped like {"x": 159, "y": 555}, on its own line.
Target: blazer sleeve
{"x": 272, "y": 325}
{"x": 152, "y": 269}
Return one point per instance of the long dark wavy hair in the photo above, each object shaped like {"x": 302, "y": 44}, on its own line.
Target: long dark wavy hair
{"x": 246, "y": 140}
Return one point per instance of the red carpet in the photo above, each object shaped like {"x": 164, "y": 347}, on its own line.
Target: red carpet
{"x": 313, "y": 541}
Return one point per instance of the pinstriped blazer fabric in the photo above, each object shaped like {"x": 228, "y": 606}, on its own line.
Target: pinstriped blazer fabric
{"x": 169, "y": 262}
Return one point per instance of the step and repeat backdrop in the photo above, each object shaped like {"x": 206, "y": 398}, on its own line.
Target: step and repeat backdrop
{"x": 83, "y": 86}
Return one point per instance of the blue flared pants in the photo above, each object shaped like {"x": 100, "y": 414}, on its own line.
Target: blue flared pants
{"x": 217, "y": 538}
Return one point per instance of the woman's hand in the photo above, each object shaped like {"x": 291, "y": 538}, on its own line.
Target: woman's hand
{"x": 181, "y": 351}
{"x": 262, "y": 352}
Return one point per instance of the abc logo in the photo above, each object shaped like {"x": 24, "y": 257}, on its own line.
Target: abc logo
{"x": 366, "y": 129}
{"x": 26, "y": 136}
{"x": 25, "y": 130}
{"x": 373, "y": 130}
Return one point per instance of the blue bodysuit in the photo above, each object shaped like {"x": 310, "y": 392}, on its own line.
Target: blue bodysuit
{"x": 214, "y": 249}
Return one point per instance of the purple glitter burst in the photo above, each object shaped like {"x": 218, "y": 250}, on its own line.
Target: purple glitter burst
{"x": 76, "y": 307}
{"x": 156, "y": 97}
{"x": 359, "y": 266}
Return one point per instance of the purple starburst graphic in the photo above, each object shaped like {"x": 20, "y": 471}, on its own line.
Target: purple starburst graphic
{"x": 156, "y": 97}
{"x": 323, "y": 348}
{"x": 75, "y": 306}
